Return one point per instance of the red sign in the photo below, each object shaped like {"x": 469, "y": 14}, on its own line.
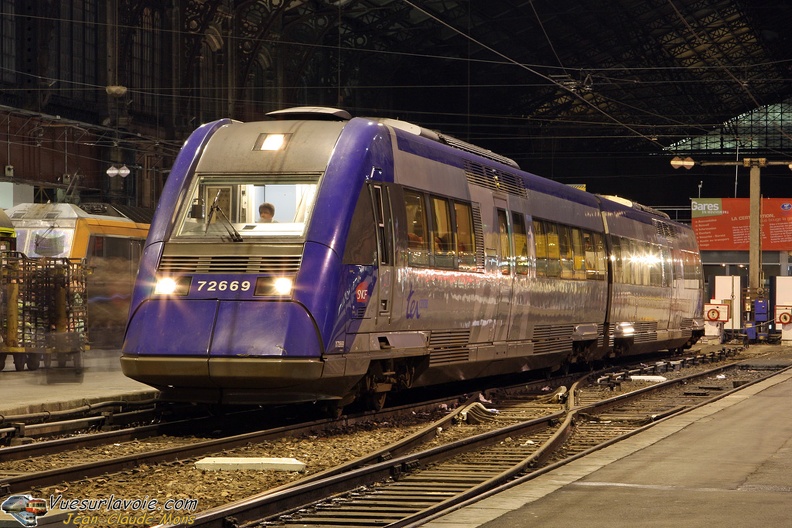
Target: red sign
{"x": 723, "y": 224}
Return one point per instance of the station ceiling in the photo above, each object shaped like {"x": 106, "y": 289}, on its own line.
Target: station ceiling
{"x": 535, "y": 77}
{"x": 544, "y": 81}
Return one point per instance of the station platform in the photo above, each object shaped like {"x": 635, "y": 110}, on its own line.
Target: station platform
{"x": 725, "y": 464}
{"x": 58, "y": 389}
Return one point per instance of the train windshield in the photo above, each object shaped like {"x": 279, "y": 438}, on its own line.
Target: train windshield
{"x": 237, "y": 208}
{"x": 46, "y": 240}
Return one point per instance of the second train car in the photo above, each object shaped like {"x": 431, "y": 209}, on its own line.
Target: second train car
{"x": 398, "y": 257}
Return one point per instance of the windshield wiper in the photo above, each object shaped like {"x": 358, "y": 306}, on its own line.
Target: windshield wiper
{"x": 229, "y": 227}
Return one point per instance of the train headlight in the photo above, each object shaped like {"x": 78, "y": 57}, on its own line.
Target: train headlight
{"x": 279, "y": 286}
{"x": 282, "y": 286}
{"x": 172, "y": 286}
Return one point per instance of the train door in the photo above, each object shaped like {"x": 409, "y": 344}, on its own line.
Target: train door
{"x": 505, "y": 270}
{"x": 385, "y": 259}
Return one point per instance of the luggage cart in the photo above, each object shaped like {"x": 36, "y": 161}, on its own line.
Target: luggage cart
{"x": 43, "y": 311}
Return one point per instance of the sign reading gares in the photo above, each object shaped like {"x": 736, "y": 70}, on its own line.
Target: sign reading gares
{"x": 723, "y": 224}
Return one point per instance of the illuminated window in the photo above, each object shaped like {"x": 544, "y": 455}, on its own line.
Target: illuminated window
{"x": 417, "y": 233}
{"x": 505, "y": 247}
{"x": 443, "y": 245}
{"x": 466, "y": 245}
{"x": 520, "y": 244}
{"x": 540, "y": 240}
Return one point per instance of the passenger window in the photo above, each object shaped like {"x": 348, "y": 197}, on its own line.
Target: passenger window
{"x": 591, "y": 255}
{"x": 627, "y": 261}
{"x": 520, "y": 244}
{"x": 618, "y": 268}
{"x": 640, "y": 272}
{"x": 553, "y": 250}
{"x": 540, "y": 241}
{"x": 594, "y": 247}
{"x": 579, "y": 256}
{"x": 602, "y": 265}
{"x": 665, "y": 254}
{"x": 691, "y": 270}
{"x": 417, "y": 239}
{"x": 443, "y": 237}
{"x": 503, "y": 237}
{"x": 565, "y": 247}
{"x": 655, "y": 265}
{"x": 466, "y": 246}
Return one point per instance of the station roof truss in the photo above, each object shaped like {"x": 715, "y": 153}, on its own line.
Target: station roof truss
{"x": 524, "y": 77}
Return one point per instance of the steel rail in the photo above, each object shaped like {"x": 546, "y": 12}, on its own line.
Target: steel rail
{"x": 19, "y": 483}
{"x": 507, "y": 483}
{"x": 291, "y": 497}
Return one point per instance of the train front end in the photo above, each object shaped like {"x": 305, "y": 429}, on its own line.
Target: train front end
{"x": 230, "y": 307}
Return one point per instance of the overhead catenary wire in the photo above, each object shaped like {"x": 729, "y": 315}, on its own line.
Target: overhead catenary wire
{"x": 543, "y": 71}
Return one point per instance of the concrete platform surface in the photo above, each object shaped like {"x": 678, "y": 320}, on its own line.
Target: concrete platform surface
{"x": 726, "y": 464}
{"x": 101, "y": 379}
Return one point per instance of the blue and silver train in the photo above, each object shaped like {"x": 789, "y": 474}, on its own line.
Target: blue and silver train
{"x": 398, "y": 257}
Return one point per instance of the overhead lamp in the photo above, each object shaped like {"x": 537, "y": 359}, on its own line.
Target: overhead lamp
{"x": 115, "y": 90}
{"x": 114, "y": 171}
{"x": 685, "y": 163}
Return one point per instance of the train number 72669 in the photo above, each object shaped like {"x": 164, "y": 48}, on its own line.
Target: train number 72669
{"x": 223, "y": 285}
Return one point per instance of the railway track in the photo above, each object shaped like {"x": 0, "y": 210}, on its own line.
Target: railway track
{"x": 516, "y": 408}
{"x": 108, "y": 415}
{"x": 404, "y": 490}
{"x": 16, "y": 482}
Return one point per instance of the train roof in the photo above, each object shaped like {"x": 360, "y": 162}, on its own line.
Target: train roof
{"x": 634, "y": 205}
{"x": 322, "y": 113}
{"x": 52, "y": 211}
{"x": 141, "y": 215}
{"x": 538, "y": 182}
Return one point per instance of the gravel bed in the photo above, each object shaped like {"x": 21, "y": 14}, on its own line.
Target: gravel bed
{"x": 181, "y": 480}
